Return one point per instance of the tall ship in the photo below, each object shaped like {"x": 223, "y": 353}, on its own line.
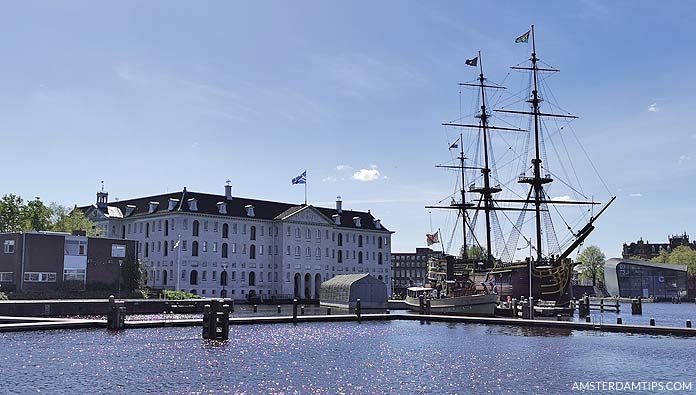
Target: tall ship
{"x": 491, "y": 192}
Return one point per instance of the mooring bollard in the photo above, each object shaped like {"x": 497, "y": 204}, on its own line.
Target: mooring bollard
{"x": 421, "y": 304}
{"x": 232, "y": 305}
{"x": 688, "y": 323}
{"x": 256, "y": 308}
{"x": 601, "y": 305}
{"x": 358, "y": 308}
{"x": 428, "y": 305}
{"x": 618, "y": 306}
{"x": 619, "y": 321}
{"x": 531, "y": 308}
{"x": 637, "y": 306}
{"x": 588, "y": 319}
{"x": 387, "y": 312}
{"x": 558, "y": 317}
{"x": 652, "y": 322}
{"x": 294, "y": 310}
{"x": 302, "y": 310}
{"x": 116, "y": 315}
{"x": 278, "y": 309}
{"x": 328, "y": 311}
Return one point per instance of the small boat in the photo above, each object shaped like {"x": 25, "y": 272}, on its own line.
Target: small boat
{"x": 450, "y": 293}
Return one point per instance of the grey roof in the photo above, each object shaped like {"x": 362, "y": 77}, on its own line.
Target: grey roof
{"x": 236, "y": 207}
{"x": 613, "y": 262}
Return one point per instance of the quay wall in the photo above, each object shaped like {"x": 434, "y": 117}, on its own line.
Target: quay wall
{"x": 54, "y": 308}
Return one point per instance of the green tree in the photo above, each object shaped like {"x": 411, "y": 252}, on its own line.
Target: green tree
{"x": 662, "y": 258}
{"x": 132, "y": 275}
{"x": 684, "y": 255}
{"x": 474, "y": 252}
{"x": 65, "y": 220}
{"x": 592, "y": 263}
{"x": 11, "y": 209}
{"x": 36, "y": 216}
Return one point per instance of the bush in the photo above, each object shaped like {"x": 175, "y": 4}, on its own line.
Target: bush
{"x": 3, "y": 296}
{"x": 179, "y": 295}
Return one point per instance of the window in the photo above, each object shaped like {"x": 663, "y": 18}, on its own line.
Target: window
{"x": 146, "y": 250}
{"x": 379, "y": 259}
{"x": 225, "y": 231}
{"x": 379, "y": 242}
{"x": 166, "y": 248}
{"x": 318, "y": 252}
{"x": 147, "y": 229}
{"x": 327, "y": 252}
{"x": 74, "y": 275}
{"x": 234, "y": 229}
{"x": 183, "y": 274}
{"x": 215, "y": 246}
{"x": 194, "y": 248}
{"x": 288, "y": 252}
{"x": 166, "y": 227}
{"x": 308, "y": 252}
{"x": 205, "y": 226}
{"x": 9, "y": 246}
{"x": 252, "y": 278}
{"x": 39, "y": 277}
{"x": 184, "y": 245}
{"x": 214, "y": 275}
{"x": 340, "y": 239}
{"x": 118, "y": 251}
{"x": 205, "y": 275}
{"x": 360, "y": 241}
{"x": 318, "y": 234}
{"x": 243, "y": 229}
{"x": 252, "y": 233}
{"x": 234, "y": 248}
{"x": 252, "y": 252}
{"x": 297, "y": 233}
{"x": 6, "y": 277}
{"x": 243, "y": 248}
{"x": 224, "y": 250}
{"x": 261, "y": 248}
{"x": 340, "y": 256}
{"x": 205, "y": 246}
{"x": 309, "y": 233}
{"x": 297, "y": 251}
{"x": 195, "y": 227}
{"x": 289, "y": 231}
{"x": 193, "y": 277}
{"x": 360, "y": 257}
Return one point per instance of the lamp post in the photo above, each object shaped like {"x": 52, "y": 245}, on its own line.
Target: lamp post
{"x": 120, "y": 263}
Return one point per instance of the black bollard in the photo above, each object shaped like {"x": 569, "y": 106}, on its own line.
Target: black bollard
{"x": 328, "y": 311}
{"x": 256, "y": 308}
{"x": 588, "y": 319}
{"x": 652, "y": 322}
{"x": 558, "y": 317}
{"x": 224, "y": 322}
{"x": 601, "y": 305}
{"x": 428, "y": 305}
{"x": 358, "y": 308}
{"x": 278, "y": 309}
{"x": 688, "y": 323}
{"x": 294, "y": 310}
{"x": 387, "y": 312}
{"x": 302, "y": 310}
{"x": 619, "y": 321}
{"x": 421, "y": 304}
{"x": 208, "y": 329}
{"x": 636, "y": 306}
{"x": 232, "y": 305}
{"x": 116, "y": 315}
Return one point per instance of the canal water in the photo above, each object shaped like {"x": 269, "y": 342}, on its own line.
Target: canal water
{"x": 392, "y": 357}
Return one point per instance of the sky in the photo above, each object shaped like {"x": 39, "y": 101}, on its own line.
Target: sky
{"x": 153, "y": 96}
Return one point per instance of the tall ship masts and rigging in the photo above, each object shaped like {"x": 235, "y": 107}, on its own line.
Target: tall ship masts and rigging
{"x": 546, "y": 272}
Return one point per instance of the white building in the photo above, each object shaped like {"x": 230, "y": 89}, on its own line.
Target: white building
{"x": 220, "y": 245}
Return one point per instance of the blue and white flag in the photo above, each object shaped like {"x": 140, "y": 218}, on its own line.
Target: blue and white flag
{"x": 455, "y": 144}
{"x": 301, "y": 179}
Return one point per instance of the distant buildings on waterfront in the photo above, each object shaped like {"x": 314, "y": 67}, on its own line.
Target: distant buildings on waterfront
{"x": 49, "y": 261}
{"x": 229, "y": 246}
{"x": 646, "y": 250}
{"x": 632, "y": 279}
{"x": 411, "y": 268}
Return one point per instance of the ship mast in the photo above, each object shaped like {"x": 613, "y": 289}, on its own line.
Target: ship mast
{"x": 465, "y": 252}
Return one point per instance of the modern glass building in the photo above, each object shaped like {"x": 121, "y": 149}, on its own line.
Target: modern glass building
{"x": 631, "y": 279}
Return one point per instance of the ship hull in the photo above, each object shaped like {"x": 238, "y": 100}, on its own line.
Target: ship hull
{"x": 548, "y": 284}
{"x": 471, "y": 305}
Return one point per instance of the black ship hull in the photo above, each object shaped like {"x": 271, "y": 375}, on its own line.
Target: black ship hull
{"x": 549, "y": 283}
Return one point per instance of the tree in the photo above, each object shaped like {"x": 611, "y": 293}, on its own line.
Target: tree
{"x": 592, "y": 263}
{"x": 474, "y": 252}
{"x": 36, "y": 216}
{"x": 11, "y": 208}
{"x": 65, "y": 220}
{"x": 133, "y": 275}
{"x": 684, "y": 255}
{"x": 662, "y": 258}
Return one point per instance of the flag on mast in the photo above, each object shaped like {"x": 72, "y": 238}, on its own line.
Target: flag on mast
{"x": 301, "y": 179}
{"x": 432, "y": 238}
{"x": 455, "y": 144}
{"x": 523, "y": 38}
{"x": 472, "y": 62}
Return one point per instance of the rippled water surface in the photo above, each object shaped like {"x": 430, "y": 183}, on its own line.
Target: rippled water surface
{"x": 396, "y": 357}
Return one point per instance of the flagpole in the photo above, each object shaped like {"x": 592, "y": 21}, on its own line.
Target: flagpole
{"x": 305, "y": 188}
{"x": 442, "y": 243}
{"x": 178, "y": 264}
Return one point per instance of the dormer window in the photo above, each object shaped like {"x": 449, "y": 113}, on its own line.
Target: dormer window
{"x": 129, "y": 210}
{"x": 356, "y": 221}
{"x": 172, "y": 204}
{"x": 222, "y": 207}
{"x": 250, "y": 210}
{"x": 193, "y": 204}
{"x": 337, "y": 219}
{"x": 378, "y": 224}
{"x": 153, "y": 207}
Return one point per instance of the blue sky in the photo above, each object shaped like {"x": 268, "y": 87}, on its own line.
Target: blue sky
{"x": 154, "y": 96}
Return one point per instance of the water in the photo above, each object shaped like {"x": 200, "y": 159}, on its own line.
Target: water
{"x": 393, "y": 357}
{"x": 665, "y": 314}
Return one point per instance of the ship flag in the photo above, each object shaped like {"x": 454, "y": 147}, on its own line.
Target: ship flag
{"x": 455, "y": 144}
{"x": 432, "y": 238}
{"x": 523, "y": 38}
{"x": 472, "y": 62}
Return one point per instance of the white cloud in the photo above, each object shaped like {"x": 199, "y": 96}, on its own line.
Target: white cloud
{"x": 343, "y": 167}
{"x": 564, "y": 197}
{"x": 684, "y": 158}
{"x": 366, "y": 175}
{"x": 329, "y": 179}
{"x": 636, "y": 195}
{"x": 653, "y": 108}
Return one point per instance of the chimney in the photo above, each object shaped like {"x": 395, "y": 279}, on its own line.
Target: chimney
{"x": 339, "y": 204}
{"x": 228, "y": 190}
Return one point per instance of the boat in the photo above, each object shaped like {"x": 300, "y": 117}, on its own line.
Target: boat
{"x": 545, "y": 274}
{"x": 450, "y": 294}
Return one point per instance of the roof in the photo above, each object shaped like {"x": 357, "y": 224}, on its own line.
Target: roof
{"x": 236, "y": 207}
{"x": 613, "y": 262}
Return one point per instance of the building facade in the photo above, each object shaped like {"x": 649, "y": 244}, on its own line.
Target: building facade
{"x": 228, "y": 246}
{"x": 411, "y": 268}
{"x": 631, "y": 279}
{"x": 646, "y": 250}
{"x": 42, "y": 261}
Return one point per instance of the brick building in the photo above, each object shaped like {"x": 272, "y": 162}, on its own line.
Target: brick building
{"x": 645, "y": 250}
{"x": 43, "y": 261}
{"x": 411, "y": 268}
